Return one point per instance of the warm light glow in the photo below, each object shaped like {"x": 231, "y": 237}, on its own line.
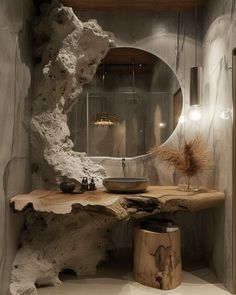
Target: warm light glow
{"x": 104, "y": 123}
{"x": 195, "y": 114}
{"x": 162, "y": 125}
{"x": 105, "y": 119}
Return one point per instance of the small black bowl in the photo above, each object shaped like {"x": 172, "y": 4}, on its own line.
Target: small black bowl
{"x": 67, "y": 187}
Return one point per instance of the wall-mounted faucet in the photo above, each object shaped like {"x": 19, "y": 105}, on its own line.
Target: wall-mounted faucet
{"x": 123, "y": 162}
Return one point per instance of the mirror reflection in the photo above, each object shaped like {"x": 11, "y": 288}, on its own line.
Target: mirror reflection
{"x": 133, "y": 103}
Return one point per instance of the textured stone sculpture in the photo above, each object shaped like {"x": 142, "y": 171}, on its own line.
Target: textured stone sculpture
{"x": 68, "y": 53}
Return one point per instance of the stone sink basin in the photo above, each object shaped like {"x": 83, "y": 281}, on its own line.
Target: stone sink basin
{"x": 126, "y": 185}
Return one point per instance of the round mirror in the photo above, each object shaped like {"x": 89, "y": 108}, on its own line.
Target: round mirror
{"x": 133, "y": 103}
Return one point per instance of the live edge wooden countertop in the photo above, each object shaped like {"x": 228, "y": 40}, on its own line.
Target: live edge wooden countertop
{"x": 157, "y": 199}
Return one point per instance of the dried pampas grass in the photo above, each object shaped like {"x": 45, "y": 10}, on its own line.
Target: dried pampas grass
{"x": 192, "y": 159}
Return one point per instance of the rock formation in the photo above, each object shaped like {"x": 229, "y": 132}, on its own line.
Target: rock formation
{"x": 51, "y": 243}
{"x": 68, "y": 53}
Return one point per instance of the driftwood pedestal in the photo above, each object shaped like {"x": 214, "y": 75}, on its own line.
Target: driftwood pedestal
{"x": 157, "y": 259}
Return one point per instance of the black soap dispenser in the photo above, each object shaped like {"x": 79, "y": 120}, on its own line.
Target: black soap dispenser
{"x": 86, "y": 184}
{"x": 83, "y": 185}
{"x": 92, "y": 186}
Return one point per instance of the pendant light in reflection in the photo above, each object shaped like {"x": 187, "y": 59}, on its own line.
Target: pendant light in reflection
{"x": 195, "y": 111}
{"x": 104, "y": 118}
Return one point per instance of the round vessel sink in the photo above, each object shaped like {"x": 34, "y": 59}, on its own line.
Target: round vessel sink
{"x": 126, "y": 185}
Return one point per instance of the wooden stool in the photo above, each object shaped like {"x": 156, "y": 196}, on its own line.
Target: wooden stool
{"x": 157, "y": 258}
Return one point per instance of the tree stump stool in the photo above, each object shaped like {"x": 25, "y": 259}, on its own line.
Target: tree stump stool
{"x": 157, "y": 258}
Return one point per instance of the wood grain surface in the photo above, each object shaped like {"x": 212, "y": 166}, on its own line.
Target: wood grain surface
{"x": 157, "y": 258}
{"x": 159, "y": 198}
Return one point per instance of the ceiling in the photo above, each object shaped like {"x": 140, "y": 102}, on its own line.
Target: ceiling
{"x": 134, "y": 5}
{"x": 128, "y": 56}
{"x": 124, "y": 59}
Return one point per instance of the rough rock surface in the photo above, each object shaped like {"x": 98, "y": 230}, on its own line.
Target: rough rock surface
{"x": 51, "y": 243}
{"x": 68, "y": 53}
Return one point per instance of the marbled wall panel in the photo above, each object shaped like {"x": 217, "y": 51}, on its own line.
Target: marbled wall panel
{"x": 219, "y": 39}
{"x": 7, "y": 113}
{"x": 15, "y": 80}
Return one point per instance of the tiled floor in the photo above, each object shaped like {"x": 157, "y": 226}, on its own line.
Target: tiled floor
{"x": 197, "y": 283}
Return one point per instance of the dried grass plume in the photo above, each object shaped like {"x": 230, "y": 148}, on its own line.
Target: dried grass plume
{"x": 192, "y": 159}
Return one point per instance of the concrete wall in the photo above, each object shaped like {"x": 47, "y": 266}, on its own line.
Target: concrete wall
{"x": 15, "y": 80}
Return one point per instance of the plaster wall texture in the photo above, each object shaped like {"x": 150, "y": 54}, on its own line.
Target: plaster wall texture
{"x": 219, "y": 39}
{"x": 15, "y": 80}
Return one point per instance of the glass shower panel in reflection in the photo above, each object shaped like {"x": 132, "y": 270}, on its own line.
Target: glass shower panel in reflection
{"x": 125, "y": 138}
{"x": 141, "y": 123}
